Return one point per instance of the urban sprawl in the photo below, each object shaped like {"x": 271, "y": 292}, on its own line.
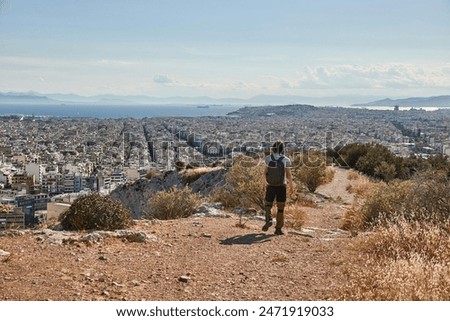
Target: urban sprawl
{"x": 47, "y": 162}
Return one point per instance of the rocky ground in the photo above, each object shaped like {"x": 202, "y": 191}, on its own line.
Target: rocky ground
{"x": 203, "y": 257}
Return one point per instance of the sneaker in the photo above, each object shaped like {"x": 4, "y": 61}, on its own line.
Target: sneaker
{"x": 267, "y": 225}
{"x": 278, "y": 231}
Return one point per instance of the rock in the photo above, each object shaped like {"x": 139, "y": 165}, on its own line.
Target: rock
{"x": 184, "y": 279}
{"x": 4, "y": 254}
{"x": 206, "y": 235}
{"x": 135, "y": 196}
{"x": 240, "y": 211}
{"x": 92, "y": 237}
{"x": 12, "y": 233}
{"x": 139, "y": 237}
{"x": 300, "y": 234}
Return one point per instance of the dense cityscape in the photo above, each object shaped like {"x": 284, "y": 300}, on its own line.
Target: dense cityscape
{"x": 46, "y": 162}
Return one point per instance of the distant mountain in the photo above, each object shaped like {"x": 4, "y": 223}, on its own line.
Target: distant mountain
{"x": 436, "y": 101}
{"x": 205, "y": 100}
{"x": 30, "y": 98}
{"x": 56, "y": 98}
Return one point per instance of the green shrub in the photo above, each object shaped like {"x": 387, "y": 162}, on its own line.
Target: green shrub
{"x": 96, "y": 212}
{"x": 171, "y": 204}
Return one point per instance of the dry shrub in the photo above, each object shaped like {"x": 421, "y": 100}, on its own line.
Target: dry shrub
{"x": 310, "y": 169}
{"x": 414, "y": 200}
{"x": 245, "y": 179}
{"x": 96, "y": 212}
{"x": 295, "y": 217}
{"x": 387, "y": 203}
{"x": 353, "y": 218}
{"x": 224, "y": 196}
{"x": 329, "y": 175}
{"x": 356, "y": 217}
{"x": 362, "y": 186}
{"x": 405, "y": 261}
{"x": 152, "y": 172}
{"x": 353, "y": 175}
{"x": 174, "y": 203}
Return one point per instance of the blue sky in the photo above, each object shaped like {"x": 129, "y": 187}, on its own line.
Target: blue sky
{"x": 226, "y": 48}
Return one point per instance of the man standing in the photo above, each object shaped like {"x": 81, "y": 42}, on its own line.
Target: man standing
{"x": 277, "y": 174}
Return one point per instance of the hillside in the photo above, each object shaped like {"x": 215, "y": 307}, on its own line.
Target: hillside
{"x": 204, "y": 257}
{"x": 437, "y": 101}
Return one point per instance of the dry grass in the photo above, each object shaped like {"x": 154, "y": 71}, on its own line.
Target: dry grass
{"x": 353, "y": 175}
{"x": 305, "y": 202}
{"x": 329, "y": 175}
{"x": 420, "y": 199}
{"x": 190, "y": 175}
{"x": 174, "y": 203}
{"x": 295, "y": 217}
{"x": 402, "y": 261}
{"x": 406, "y": 255}
{"x": 362, "y": 186}
{"x": 224, "y": 196}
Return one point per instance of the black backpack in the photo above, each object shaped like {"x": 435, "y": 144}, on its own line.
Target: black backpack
{"x": 275, "y": 172}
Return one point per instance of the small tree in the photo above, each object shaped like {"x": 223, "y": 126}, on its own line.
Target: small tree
{"x": 245, "y": 178}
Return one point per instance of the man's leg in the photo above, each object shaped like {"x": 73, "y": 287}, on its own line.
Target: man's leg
{"x": 268, "y": 210}
{"x": 281, "y": 202}
{"x": 280, "y": 214}
{"x": 270, "y": 197}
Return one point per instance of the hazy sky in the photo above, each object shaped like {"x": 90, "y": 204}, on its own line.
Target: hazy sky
{"x": 226, "y": 48}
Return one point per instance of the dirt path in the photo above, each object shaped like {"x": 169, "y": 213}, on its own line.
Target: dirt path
{"x": 197, "y": 258}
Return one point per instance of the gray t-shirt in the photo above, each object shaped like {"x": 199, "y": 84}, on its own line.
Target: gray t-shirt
{"x": 286, "y": 161}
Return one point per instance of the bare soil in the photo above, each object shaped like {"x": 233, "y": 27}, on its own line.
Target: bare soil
{"x": 196, "y": 258}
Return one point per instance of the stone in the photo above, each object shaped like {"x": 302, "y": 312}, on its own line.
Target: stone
{"x": 184, "y": 279}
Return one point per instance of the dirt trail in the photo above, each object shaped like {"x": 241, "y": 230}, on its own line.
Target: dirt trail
{"x": 197, "y": 258}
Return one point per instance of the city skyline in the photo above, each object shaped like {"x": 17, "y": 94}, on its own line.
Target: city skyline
{"x": 226, "y": 48}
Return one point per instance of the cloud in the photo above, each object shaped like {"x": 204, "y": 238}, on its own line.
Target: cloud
{"x": 163, "y": 80}
{"x": 376, "y": 76}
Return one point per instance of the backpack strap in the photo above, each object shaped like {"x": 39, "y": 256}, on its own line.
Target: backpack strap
{"x": 280, "y": 160}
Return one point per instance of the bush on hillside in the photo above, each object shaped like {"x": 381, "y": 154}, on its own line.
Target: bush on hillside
{"x": 312, "y": 171}
{"x": 96, "y": 212}
{"x": 426, "y": 198}
{"x": 172, "y": 204}
{"x": 245, "y": 179}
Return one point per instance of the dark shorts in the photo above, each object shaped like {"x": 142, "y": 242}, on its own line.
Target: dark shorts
{"x": 276, "y": 192}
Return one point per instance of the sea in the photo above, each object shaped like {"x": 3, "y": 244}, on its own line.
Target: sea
{"x": 140, "y": 111}
{"x": 116, "y": 111}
